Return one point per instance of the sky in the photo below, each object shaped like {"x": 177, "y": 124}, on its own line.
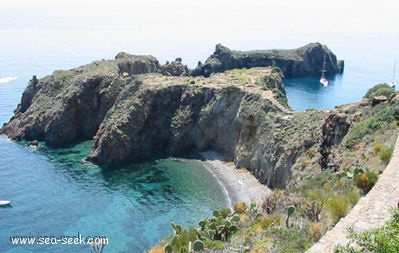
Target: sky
{"x": 366, "y": 15}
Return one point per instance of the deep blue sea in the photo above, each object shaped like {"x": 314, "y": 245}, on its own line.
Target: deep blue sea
{"x": 55, "y": 193}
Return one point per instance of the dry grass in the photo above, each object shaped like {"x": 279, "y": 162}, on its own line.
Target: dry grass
{"x": 240, "y": 207}
{"x": 316, "y": 231}
{"x": 157, "y": 249}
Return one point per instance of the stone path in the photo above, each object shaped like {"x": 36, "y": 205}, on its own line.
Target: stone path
{"x": 372, "y": 211}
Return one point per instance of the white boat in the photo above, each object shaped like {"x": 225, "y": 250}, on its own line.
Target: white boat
{"x": 323, "y": 79}
{"x": 5, "y": 202}
{"x": 8, "y": 79}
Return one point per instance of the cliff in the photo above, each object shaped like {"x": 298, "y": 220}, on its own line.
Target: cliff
{"x": 303, "y": 61}
{"x": 70, "y": 105}
{"x": 132, "y": 111}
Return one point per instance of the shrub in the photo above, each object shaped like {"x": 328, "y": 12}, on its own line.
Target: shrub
{"x": 313, "y": 210}
{"x": 352, "y": 196}
{"x": 369, "y": 126}
{"x": 270, "y": 220}
{"x": 305, "y": 164}
{"x": 315, "y": 231}
{"x": 311, "y": 152}
{"x": 275, "y": 199}
{"x": 386, "y": 154}
{"x": 377, "y": 148}
{"x": 262, "y": 246}
{"x": 291, "y": 240}
{"x": 380, "y": 89}
{"x": 384, "y": 239}
{"x": 240, "y": 207}
{"x": 366, "y": 180}
{"x": 337, "y": 206}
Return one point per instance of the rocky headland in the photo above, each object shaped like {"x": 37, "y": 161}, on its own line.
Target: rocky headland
{"x": 133, "y": 107}
{"x": 303, "y": 61}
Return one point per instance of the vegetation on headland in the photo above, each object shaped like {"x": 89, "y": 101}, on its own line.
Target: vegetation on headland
{"x": 286, "y": 221}
{"x": 384, "y": 239}
{"x": 292, "y": 220}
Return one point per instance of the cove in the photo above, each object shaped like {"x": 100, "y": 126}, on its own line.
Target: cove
{"x": 56, "y": 193}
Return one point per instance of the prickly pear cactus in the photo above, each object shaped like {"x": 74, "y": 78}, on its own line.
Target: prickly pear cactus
{"x": 198, "y": 246}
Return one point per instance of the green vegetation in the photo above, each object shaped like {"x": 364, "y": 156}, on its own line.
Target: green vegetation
{"x": 370, "y": 125}
{"x": 62, "y": 77}
{"x": 244, "y": 75}
{"x": 219, "y": 228}
{"x": 286, "y": 221}
{"x": 378, "y": 90}
{"x": 229, "y": 89}
{"x": 385, "y": 154}
{"x": 290, "y": 212}
{"x": 377, "y": 147}
{"x": 365, "y": 180}
{"x": 384, "y": 239}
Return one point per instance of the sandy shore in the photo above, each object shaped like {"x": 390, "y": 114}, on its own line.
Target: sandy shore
{"x": 239, "y": 185}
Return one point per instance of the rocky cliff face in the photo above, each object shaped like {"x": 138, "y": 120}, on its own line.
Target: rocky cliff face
{"x": 70, "y": 105}
{"x": 304, "y": 61}
{"x": 240, "y": 113}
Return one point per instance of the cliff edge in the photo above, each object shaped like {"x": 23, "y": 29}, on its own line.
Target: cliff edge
{"x": 132, "y": 109}
{"x": 303, "y": 61}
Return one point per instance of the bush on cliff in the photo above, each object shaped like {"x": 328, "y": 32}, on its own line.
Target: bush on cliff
{"x": 371, "y": 125}
{"x": 365, "y": 180}
{"x": 384, "y": 239}
{"x": 385, "y": 154}
{"x": 378, "y": 90}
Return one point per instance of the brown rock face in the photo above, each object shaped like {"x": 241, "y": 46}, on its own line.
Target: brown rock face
{"x": 175, "y": 68}
{"x": 170, "y": 120}
{"x": 335, "y": 128}
{"x": 304, "y": 61}
{"x": 70, "y": 105}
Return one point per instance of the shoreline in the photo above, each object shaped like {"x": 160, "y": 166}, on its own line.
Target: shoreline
{"x": 239, "y": 185}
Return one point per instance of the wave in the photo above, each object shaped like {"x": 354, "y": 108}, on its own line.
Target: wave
{"x": 8, "y": 79}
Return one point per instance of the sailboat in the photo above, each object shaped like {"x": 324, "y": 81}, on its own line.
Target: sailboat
{"x": 393, "y": 83}
{"x": 323, "y": 79}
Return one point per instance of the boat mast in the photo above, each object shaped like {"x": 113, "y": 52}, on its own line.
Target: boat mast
{"x": 324, "y": 67}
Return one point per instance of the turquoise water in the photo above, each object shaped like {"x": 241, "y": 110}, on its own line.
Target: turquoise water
{"x": 55, "y": 193}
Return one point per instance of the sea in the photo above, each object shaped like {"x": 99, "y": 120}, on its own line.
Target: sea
{"x": 56, "y": 194}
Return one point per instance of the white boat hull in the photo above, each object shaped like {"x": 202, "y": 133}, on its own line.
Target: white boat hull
{"x": 324, "y": 81}
{"x": 5, "y": 202}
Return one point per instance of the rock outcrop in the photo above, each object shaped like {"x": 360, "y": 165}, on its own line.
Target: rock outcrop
{"x": 70, "y": 105}
{"x": 137, "y": 64}
{"x": 175, "y": 68}
{"x": 304, "y": 61}
{"x": 241, "y": 113}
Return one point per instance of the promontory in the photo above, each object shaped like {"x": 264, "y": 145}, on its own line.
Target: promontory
{"x": 234, "y": 103}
